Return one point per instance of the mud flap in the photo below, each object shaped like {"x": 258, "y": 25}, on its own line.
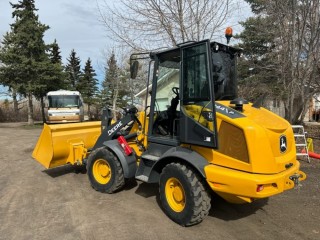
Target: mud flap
{"x": 61, "y": 144}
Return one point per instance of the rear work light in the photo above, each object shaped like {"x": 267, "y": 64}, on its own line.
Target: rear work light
{"x": 125, "y": 146}
{"x": 260, "y": 188}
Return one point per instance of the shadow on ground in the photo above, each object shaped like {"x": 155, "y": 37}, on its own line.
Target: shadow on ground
{"x": 219, "y": 207}
{"x": 223, "y": 210}
{"x": 63, "y": 170}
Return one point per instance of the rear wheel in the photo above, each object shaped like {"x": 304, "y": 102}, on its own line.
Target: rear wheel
{"x": 104, "y": 171}
{"x": 183, "y": 196}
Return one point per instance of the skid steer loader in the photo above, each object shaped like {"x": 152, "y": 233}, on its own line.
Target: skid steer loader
{"x": 194, "y": 137}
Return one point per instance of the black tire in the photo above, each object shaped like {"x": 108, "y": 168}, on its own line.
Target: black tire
{"x": 106, "y": 181}
{"x": 197, "y": 200}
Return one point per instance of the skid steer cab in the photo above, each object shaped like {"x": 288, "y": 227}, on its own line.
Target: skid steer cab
{"x": 194, "y": 137}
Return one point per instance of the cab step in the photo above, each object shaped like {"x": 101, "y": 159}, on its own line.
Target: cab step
{"x": 150, "y": 157}
{"x": 147, "y": 162}
{"x": 142, "y": 178}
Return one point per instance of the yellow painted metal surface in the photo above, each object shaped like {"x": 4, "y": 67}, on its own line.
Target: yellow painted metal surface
{"x": 238, "y": 187}
{"x": 232, "y": 142}
{"x": 260, "y": 130}
{"x": 141, "y": 134}
{"x": 102, "y": 171}
{"x": 310, "y": 144}
{"x": 250, "y": 155}
{"x": 61, "y": 144}
{"x": 175, "y": 194}
{"x": 194, "y": 111}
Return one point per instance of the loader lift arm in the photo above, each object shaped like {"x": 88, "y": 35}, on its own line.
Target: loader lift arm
{"x": 112, "y": 131}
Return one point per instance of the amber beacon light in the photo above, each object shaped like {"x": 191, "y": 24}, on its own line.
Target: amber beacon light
{"x": 228, "y": 34}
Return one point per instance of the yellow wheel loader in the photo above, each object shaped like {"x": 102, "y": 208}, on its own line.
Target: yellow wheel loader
{"x": 194, "y": 137}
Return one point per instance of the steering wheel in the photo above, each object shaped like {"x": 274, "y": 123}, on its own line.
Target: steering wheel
{"x": 175, "y": 90}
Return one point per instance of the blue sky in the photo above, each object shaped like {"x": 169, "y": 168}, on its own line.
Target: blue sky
{"x": 75, "y": 25}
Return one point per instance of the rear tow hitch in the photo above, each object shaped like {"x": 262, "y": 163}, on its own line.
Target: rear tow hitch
{"x": 297, "y": 177}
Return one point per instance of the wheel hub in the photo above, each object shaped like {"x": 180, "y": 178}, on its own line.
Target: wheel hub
{"x": 101, "y": 171}
{"x": 175, "y": 194}
{"x": 104, "y": 170}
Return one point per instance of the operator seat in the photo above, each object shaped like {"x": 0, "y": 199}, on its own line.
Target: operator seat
{"x": 172, "y": 112}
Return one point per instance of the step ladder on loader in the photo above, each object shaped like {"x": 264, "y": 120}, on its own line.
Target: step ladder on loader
{"x": 301, "y": 142}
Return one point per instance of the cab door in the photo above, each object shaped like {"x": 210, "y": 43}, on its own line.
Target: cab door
{"x": 198, "y": 116}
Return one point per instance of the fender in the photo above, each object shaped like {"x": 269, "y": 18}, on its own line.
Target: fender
{"x": 128, "y": 163}
{"x": 182, "y": 154}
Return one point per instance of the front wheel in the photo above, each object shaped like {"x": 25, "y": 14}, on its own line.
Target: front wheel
{"x": 183, "y": 196}
{"x": 105, "y": 171}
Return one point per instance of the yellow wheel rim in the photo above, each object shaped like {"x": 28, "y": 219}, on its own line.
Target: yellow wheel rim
{"x": 101, "y": 171}
{"x": 175, "y": 194}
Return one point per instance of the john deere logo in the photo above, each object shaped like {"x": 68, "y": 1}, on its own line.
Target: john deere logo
{"x": 283, "y": 143}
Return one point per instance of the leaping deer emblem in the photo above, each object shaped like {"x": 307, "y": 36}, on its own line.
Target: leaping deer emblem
{"x": 283, "y": 145}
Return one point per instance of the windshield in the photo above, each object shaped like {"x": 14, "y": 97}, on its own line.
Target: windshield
{"x": 63, "y": 101}
{"x": 224, "y": 73}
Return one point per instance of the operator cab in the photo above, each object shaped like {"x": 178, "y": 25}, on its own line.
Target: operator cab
{"x": 187, "y": 80}
{"x": 181, "y": 109}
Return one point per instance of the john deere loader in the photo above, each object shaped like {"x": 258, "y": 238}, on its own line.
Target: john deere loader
{"x": 194, "y": 137}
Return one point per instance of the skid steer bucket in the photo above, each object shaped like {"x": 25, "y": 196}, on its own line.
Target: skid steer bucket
{"x": 65, "y": 143}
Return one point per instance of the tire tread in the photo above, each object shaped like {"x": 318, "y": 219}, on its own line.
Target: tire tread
{"x": 119, "y": 177}
{"x": 200, "y": 193}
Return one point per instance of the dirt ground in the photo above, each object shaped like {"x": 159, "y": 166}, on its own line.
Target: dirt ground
{"x": 60, "y": 204}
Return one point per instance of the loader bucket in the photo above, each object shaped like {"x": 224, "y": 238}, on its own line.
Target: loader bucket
{"x": 65, "y": 143}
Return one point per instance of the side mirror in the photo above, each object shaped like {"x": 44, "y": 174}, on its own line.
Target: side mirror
{"x": 134, "y": 69}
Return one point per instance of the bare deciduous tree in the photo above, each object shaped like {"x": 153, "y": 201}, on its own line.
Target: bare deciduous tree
{"x": 147, "y": 24}
{"x": 299, "y": 53}
{"x": 283, "y": 42}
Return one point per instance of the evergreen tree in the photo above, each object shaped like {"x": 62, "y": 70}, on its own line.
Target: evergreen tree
{"x": 88, "y": 85}
{"x": 109, "y": 83}
{"x": 256, "y": 69}
{"x": 58, "y": 80}
{"x": 53, "y": 77}
{"x": 55, "y": 54}
{"x": 125, "y": 88}
{"x": 115, "y": 88}
{"x": 23, "y": 53}
{"x": 73, "y": 71}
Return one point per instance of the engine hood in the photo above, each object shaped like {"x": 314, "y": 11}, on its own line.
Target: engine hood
{"x": 253, "y": 140}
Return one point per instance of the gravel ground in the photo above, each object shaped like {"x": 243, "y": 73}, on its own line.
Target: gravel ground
{"x": 60, "y": 204}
